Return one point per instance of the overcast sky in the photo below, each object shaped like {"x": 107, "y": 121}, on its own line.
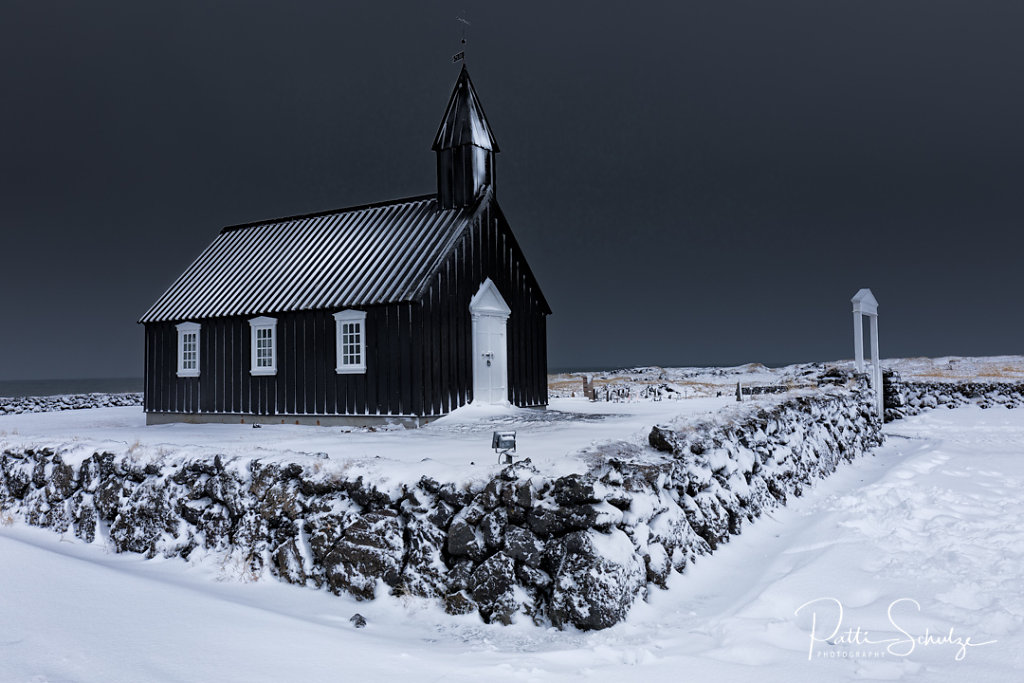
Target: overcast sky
{"x": 693, "y": 183}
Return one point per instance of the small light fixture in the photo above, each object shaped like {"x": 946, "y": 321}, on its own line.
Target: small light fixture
{"x": 504, "y": 444}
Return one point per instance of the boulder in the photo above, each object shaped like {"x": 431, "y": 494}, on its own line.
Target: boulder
{"x": 464, "y": 540}
{"x": 574, "y": 490}
{"x": 142, "y": 519}
{"x": 493, "y": 584}
{"x": 597, "y": 580}
{"x": 458, "y": 603}
{"x": 492, "y": 527}
{"x": 371, "y": 548}
{"x": 424, "y": 573}
{"x": 523, "y": 545}
{"x": 287, "y": 562}
{"x": 555, "y": 521}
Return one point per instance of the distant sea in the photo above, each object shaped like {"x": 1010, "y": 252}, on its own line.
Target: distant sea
{"x": 53, "y": 387}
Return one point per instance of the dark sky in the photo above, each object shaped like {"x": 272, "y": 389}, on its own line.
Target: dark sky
{"x": 693, "y": 183}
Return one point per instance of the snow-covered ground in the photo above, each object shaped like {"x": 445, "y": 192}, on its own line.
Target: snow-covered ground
{"x": 960, "y": 368}
{"x": 454, "y": 448}
{"x": 687, "y": 382}
{"x": 930, "y": 528}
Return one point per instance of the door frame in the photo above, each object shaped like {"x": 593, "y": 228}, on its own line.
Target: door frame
{"x": 488, "y": 303}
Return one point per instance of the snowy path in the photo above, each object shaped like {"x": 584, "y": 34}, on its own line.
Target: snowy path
{"x": 936, "y": 516}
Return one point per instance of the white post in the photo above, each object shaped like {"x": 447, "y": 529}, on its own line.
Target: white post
{"x": 876, "y": 367}
{"x": 864, "y": 303}
{"x": 858, "y": 340}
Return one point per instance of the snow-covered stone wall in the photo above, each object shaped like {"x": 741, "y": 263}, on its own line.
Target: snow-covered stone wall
{"x": 48, "y": 404}
{"x": 910, "y": 398}
{"x": 574, "y": 550}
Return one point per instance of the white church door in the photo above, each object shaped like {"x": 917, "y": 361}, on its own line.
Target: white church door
{"x": 490, "y": 347}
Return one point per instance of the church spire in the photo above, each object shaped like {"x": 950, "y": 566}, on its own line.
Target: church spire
{"x": 465, "y": 148}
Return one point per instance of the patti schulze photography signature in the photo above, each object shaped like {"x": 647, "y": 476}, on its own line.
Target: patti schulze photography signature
{"x": 831, "y": 631}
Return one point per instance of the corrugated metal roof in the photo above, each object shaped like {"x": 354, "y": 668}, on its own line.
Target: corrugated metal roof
{"x": 464, "y": 122}
{"x": 360, "y": 256}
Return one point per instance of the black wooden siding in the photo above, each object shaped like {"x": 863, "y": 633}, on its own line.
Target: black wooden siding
{"x": 418, "y": 353}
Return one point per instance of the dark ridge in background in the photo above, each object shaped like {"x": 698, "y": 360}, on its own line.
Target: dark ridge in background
{"x": 692, "y": 183}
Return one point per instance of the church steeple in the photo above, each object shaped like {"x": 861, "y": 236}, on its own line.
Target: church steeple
{"x": 465, "y": 148}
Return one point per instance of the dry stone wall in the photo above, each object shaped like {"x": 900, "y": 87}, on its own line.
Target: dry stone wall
{"x": 911, "y": 398}
{"x": 49, "y": 404}
{"x": 576, "y": 550}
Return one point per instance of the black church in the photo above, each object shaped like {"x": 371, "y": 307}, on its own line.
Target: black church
{"x": 398, "y": 311}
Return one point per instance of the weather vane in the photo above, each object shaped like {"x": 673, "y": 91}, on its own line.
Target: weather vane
{"x": 461, "y": 55}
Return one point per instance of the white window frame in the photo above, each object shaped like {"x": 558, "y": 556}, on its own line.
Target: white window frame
{"x": 183, "y": 330}
{"x": 255, "y": 325}
{"x": 341, "y": 318}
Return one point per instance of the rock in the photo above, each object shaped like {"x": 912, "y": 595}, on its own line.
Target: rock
{"x": 39, "y": 474}
{"x": 492, "y": 584}
{"x": 464, "y": 540}
{"x": 192, "y": 511}
{"x": 371, "y": 548}
{"x": 574, "y": 490}
{"x": 429, "y": 485}
{"x": 441, "y": 514}
{"x": 424, "y": 573}
{"x": 491, "y": 496}
{"x": 250, "y": 532}
{"x": 215, "y": 523}
{"x": 143, "y": 518}
{"x": 458, "y": 603}
{"x": 492, "y": 526}
{"x": 523, "y": 494}
{"x": 671, "y": 531}
{"x": 18, "y": 483}
{"x": 281, "y": 502}
{"x": 83, "y": 517}
{"x": 358, "y": 620}
{"x": 662, "y": 439}
{"x": 62, "y": 481}
{"x": 454, "y": 496}
{"x": 657, "y": 564}
{"x": 547, "y": 522}
{"x": 108, "y": 497}
{"x": 530, "y": 576}
{"x": 597, "y": 580}
{"x": 367, "y": 496}
{"x": 94, "y": 469}
{"x": 459, "y": 575}
{"x": 326, "y": 519}
{"x": 287, "y": 562}
{"x": 523, "y": 545}
{"x": 226, "y": 489}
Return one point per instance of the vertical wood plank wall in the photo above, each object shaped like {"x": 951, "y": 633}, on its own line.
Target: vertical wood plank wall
{"x": 487, "y": 249}
{"x": 419, "y": 355}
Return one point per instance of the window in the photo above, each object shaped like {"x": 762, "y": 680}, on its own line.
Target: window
{"x": 188, "y": 350}
{"x": 350, "y": 331}
{"x": 264, "y": 346}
